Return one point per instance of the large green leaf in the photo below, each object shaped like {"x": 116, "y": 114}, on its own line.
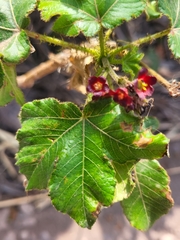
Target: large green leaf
{"x": 151, "y": 198}
{"x": 8, "y": 85}
{"x": 71, "y": 153}
{"x": 14, "y": 43}
{"x": 88, "y": 16}
{"x": 172, "y": 10}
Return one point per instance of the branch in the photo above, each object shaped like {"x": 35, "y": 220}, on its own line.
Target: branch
{"x": 140, "y": 41}
{"x": 64, "y": 60}
{"x": 59, "y": 42}
{"x": 22, "y": 200}
{"x": 56, "y": 61}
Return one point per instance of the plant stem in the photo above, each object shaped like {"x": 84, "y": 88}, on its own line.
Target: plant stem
{"x": 59, "y": 42}
{"x": 140, "y": 41}
{"x": 101, "y": 43}
{"x": 110, "y": 71}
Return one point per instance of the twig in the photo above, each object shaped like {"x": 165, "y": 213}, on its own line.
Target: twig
{"x": 8, "y": 141}
{"x": 56, "y": 61}
{"x": 22, "y": 200}
{"x": 7, "y": 163}
{"x": 140, "y": 41}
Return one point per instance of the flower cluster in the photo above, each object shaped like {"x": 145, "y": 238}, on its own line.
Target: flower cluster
{"x": 128, "y": 97}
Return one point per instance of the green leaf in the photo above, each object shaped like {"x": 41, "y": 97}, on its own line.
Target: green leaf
{"x": 8, "y": 86}
{"x": 151, "y": 198}
{"x": 1, "y": 76}
{"x": 151, "y": 10}
{"x": 172, "y": 10}
{"x": 151, "y": 122}
{"x": 71, "y": 152}
{"x": 131, "y": 61}
{"x": 88, "y": 16}
{"x": 14, "y": 43}
{"x": 125, "y": 185}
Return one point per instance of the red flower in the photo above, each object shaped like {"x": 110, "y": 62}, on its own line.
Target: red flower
{"x": 122, "y": 97}
{"x": 98, "y": 86}
{"x": 143, "y": 84}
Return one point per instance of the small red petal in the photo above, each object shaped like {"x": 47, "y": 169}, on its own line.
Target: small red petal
{"x": 150, "y": 80}
{"x": 121, "y": 96}
{"x": 143, "y": 76}
{"x": 98, "y": 86}
{"x": 142, "y": 73}
{"x": 143, "y": 94}
{"x": 143, "y": 84}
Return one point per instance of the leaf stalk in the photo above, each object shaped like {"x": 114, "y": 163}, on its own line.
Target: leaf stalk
{"x": 110, "y": 71}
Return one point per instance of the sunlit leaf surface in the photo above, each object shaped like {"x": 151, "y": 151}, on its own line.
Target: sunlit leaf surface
{"x": 8, "y": 86}
{"x": 14, "y": 43}
{"x": 73, "y": 153}
{"x": 151, "y": 198}
{"x": 87, "y": 16}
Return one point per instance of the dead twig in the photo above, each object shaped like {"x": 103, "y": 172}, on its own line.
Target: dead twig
{"x": 8, "y": 141}
{"x": 22, "y": 200}
{"x": 72, "y": 61}
{"x": 59, "y": 60}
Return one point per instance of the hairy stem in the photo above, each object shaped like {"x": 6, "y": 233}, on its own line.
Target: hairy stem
{"x": 140, "y": 41}
{"x": 59, "y": 42}
{"x": 101, "y": 43}
{"x": 110, "y": 71}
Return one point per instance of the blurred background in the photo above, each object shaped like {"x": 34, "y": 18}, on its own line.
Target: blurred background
{"x": 29, "y": 215}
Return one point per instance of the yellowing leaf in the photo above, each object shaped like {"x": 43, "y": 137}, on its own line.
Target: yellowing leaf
{"x": 143, "y": 141}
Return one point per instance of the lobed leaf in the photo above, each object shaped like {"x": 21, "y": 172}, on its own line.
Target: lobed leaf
{"x": 172, "y": 10}
{"x": 8, "y": 85}
{"x": 88, "y": 16}
{"x": 14, "y": 43}
{"x": 73, "y": 153}
{"x": 131, "y": 61}
{"x": 151, "y": 10}
{"x": 151, "y": 197}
